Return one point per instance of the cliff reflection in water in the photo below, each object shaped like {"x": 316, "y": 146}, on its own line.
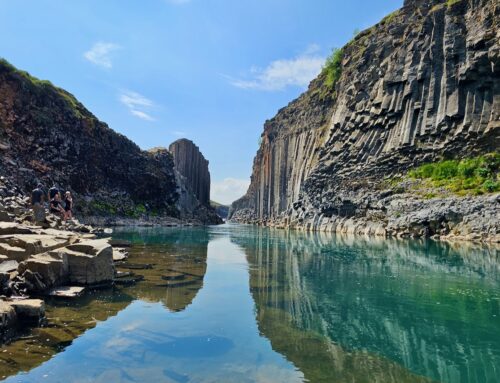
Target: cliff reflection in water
{"x": 339, "y": 308}
{"x": 184, "y": 251}
{"x": 181, "y": 251}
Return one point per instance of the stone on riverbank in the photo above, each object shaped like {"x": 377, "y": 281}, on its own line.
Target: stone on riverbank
{"x": 51, "y": 267}
{"x": 90, "y": 262}
{"x": 29, "y": 310}
{"x": 8, "y": 320}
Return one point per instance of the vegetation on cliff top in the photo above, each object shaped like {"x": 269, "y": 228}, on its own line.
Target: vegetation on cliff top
{"x": 44, "y": 85}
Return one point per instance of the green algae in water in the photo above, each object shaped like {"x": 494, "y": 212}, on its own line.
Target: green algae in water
{"x": 280, "y": 306}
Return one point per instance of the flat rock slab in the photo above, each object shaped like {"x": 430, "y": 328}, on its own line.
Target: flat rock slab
{"x": 8, "y": 266}
{"x": 31, "y": 244}
{"x": 67, "y": 291}
{"x": 13, "y": 228}
{"x": 12, "y": 252}
{"x": 29, "y": 309}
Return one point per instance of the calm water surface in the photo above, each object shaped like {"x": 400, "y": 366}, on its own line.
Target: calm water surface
{"x": 262, "y": 305}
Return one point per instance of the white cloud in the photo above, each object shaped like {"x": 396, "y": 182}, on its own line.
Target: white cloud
{"x": 137, "y": 104}
{"x": 228, "y": 190}
{"x": 279, "y": 74}
{"x": 142, "y": 115}
{"x": 100, "y": 54}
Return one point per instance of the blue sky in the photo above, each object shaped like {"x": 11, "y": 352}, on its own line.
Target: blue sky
{"x": 209, "y": 70}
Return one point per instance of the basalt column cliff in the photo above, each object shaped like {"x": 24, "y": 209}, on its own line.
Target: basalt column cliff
{"x": 193, "y": 178}
{"x": 419, "y": 87}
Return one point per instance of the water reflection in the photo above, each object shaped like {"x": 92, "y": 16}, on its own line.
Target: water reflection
{"x": 184, "y": 251}
{"x": 170, "y": 251}
{"x": 332, "y": 304}
{"x": 265, "y": 305}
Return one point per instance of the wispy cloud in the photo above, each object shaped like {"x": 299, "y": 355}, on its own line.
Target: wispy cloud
{"x": 137, "y": 104}
{"x": 279, "y": 74}
{"x": 100, "y": 54}
{"x": 228, "y": 190}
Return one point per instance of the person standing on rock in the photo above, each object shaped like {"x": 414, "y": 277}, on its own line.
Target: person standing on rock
{"x": 37, "y": 199}
{"x": 68, "y": 205}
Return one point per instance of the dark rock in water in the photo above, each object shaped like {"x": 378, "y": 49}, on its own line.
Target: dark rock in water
{"x": 8, "y": 320}
{"x": 137, "y": 266}
{"x": 120, "y": 243}
{"x": 419, "y": 86}
{"x": 29, "y": 310}
{"x": 128, "y": 279}
{"x": 173, "y": 276}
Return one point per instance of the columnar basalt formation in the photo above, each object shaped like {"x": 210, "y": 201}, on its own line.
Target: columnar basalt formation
{"x": 47, "y": 136}
{"x": 191, "y": 164}
{"x": 419, "y": 86}
{"x": 193, "y": 179}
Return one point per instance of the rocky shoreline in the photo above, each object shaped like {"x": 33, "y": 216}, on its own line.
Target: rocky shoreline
{"x": 57, "y": 259}
{"x": 385, "y": 214}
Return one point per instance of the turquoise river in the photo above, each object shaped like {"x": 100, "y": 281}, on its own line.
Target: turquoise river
{"x": 237, "y": 303}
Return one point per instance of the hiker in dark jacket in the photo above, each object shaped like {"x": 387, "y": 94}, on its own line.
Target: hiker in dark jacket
{"x": 37, "y": 199}
{"x": 52, "y": 192}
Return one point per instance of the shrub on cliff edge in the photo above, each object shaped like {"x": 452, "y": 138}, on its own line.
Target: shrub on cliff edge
{"x": 333, "y": 67}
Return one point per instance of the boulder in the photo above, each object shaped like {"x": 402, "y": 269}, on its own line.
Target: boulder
{"x": 8, "y": 320}
{"x": 29, "y": 310}
{"x": 90, "y": 262}
{"x": 8, "y": 266}
{"x": 51, "y": 267}
{"x": 11, "y": 252}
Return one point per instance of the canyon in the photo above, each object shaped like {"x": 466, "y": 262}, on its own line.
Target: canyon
{"x": 418, "y": 87}
{"x": 49, "y": 137}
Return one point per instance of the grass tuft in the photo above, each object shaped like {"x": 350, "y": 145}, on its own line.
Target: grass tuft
{"x": 477, "y": 175}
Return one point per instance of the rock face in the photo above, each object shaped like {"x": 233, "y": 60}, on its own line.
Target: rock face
{"x": 46, "y": 135}
{"x": 191, "y": 164}
{"x": 193, "y": 179}
{"x": 419, "y": 86}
